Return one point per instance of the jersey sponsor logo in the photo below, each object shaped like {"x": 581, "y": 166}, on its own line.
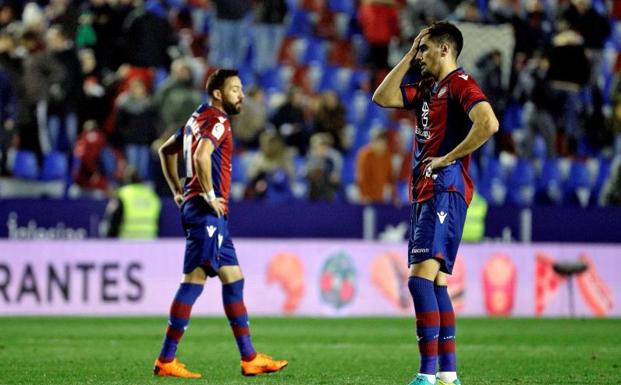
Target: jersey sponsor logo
{"x": 217, "y": 130}
{"x": 442, "y": 215}
{"x": 424, "y": 117}
{"x": 463, "y": 76}
{"x": 211, "y": 229}
{"x": 424, "y": 133}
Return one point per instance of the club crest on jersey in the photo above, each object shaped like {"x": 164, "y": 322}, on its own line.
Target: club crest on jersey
{"x": 217, "y": 130}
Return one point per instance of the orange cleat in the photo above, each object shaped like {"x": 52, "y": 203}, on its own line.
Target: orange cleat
{"x": 173, "y": 368}
{"x": 261, "y": 364}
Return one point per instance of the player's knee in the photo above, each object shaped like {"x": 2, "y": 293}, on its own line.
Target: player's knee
{"x": 196, "y": 276}
{"x": 230, "y": 274}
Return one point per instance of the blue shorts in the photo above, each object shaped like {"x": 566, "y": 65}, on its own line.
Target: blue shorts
{"x": 436, "y": 226}
{"x": 208, "y": 243}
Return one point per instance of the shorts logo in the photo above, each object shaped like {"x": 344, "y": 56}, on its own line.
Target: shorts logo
{"x": 419, "y": 250}
{"x": 211, "y": 229}
{"x": 442, "y": 215}
{"x": 218, "y": 130}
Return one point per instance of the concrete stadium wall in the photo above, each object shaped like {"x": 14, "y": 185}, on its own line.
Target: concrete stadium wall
{"x": 303, "y": 277}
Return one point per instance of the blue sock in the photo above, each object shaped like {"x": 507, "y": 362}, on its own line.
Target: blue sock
{"x": 233, "y": 299}
{"x": 179, "y": 318}
{"x": 446, "y": 345}
{"x": 427, "y": 322}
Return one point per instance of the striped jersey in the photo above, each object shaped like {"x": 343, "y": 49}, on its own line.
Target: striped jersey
{"x": 212, "y": 124}
{"x": 441, "y": 110}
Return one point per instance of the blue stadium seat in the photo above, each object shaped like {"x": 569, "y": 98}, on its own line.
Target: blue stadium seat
{"x": 107, "y": 162}
{"x": 25, "y": 165}
{"x": 549, "y": 184}
{"x": 492, "y": 182}
{"x": 270, "y": 79}
{"x": 55, "y": 166}
{"x": 348, "y": 175}
{"x": 239, "y": 170}
{"x": 345, "y": 6}
{"x": 300, "y": 23}
{"x": 357, "y": 105}
{"x": 578, "y": 187}
{"x": 316, "y": 51}
{"x": 475, "y": 174}
{"x": 603, "y": 174}
{"x": 521, "y": 185}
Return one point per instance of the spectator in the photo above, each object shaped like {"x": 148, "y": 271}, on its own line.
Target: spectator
{"x": 148, "y": 36}
{"x": 271, "y": 170}
{"x": 269, "y": 32}
{"x": 323, "y": 168}
{"x": 534, "y": 91}
{"x": 95, "y": 104}
{"x": 136, "y": 126}
{"x": 330, "y": 118}
{"x": 290, "y": 121}
{"x": 176, "y": 98}
{"x": 374, "y": 174}
{"x": 62, "y": 105}
{"x": 252, "y": 120}
{"x": 379, "y": 20}
{"x": 228, "y": 38}
{"x": 567, "y": 81}
{"x": 7, "y": 120}
{"x": 88, "y": 174}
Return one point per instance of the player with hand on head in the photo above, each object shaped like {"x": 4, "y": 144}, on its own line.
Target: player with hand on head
{"x": 206, "y": 142}
{"x": 453, "y": 119}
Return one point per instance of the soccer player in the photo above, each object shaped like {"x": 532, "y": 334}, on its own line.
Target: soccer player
{"x": 207, "y": 145}
{"x": 453, "y": 119}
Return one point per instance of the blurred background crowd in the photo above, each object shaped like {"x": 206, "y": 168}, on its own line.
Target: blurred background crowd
{"x": 89, "y": 89}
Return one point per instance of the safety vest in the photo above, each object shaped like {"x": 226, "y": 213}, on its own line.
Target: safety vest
{"x": 474, "y": 228}
{"x": 141, "y": 212}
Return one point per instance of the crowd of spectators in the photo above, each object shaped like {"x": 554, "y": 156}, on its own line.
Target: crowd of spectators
{"x": 104, "y": 82}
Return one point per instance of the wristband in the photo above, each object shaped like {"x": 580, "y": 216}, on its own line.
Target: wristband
{"x": 210, "y": 196}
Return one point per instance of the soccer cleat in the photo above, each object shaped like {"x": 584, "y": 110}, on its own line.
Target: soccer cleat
{"x": 173, "y": 368}
{"x": 262, "y": 363}
{"x": 440, "y": 382}
{"x": 420, "y": 380}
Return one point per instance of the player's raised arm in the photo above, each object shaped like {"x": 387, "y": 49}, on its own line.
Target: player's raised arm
{"x": 202, "y": 165}
{"x": 388, "y": 93}
{"x": 168, "y": 153}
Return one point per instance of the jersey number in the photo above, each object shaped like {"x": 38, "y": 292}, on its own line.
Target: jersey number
{"x": 187, "y": 151}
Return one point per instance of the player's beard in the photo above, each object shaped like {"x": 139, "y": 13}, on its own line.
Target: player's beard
{"x": 231, "y": 108}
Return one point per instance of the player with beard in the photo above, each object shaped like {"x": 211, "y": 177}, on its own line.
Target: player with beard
{"x": 206, "y": 142}
{"x": 453, "y": 118}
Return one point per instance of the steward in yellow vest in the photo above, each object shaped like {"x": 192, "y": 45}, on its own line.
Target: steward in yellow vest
{"x": 474, "y": 228}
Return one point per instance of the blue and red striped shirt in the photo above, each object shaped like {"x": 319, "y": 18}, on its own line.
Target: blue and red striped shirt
{"x": 208, "y": 123}
{"x": 442, "y": 122}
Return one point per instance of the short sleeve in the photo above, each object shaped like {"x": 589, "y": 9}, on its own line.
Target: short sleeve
{"x": 214, "y": 129}
{"x": 178, "y": 135}
{"x": 409, "y": 92}
{"x": 466, "y": 91}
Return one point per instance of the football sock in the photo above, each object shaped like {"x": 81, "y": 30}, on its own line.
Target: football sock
{"x": 233, "y": 299}
{"x": 427, "y": 323}
{"x": 179, "y": 318}
{"x": 447, "y": 377}
{"x": 446, "y": 343}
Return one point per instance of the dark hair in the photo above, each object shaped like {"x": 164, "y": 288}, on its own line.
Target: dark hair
{"x": 216, "y": 80}
{"x": 443, "y": 31}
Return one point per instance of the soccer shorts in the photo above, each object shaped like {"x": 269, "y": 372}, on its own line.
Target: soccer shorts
{"x": 436, "y": 226}
{"x": 208, "y": 242}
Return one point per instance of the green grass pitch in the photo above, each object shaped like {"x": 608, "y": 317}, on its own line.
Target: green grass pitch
{"x": 361, "y": 351}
